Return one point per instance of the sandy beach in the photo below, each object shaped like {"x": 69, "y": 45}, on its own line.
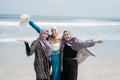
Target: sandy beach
{"x": 15, "y": 65}
{"x": 89, "y": 70}
{"x": 99, "y": 70}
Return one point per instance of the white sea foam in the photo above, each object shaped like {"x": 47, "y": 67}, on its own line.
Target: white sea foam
{"x": 89, "y": 29}
{"x": 80, "y": 24}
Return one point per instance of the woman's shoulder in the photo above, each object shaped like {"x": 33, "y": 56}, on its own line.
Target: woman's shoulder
{"x": 75, "y": 39}
{"x": 36, "y": 42}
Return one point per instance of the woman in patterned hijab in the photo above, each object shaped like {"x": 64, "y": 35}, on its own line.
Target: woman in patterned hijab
{"x": 42, "y": 50}
{"x": 74, "y": 51}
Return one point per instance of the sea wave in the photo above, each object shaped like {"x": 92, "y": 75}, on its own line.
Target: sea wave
{"x": 90, "y": 29}
{"x": 80, "y": 23}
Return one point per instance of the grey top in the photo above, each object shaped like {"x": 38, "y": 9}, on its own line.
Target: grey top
{"x": 81, "y": 47}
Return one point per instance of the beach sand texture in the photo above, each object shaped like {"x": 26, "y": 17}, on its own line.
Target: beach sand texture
{"x": 94, "y": 70}
{"x": 15, "y": 65}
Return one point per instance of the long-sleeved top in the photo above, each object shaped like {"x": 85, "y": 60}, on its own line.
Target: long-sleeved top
{"x": 69, "y": 52}
{"x": 41, "y": 62}
{"x": 80, "y": 54}
{"x": 55, "y": 57}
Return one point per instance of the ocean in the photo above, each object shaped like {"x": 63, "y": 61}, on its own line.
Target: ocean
{"x": 106, "y": 29}
{"x": 85, "y": 28}
{"x": 105, "y": 65}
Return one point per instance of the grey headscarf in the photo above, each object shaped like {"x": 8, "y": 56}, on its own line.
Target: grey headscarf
{"x": 73, "y": 42}
{"x": 45, "y": 44}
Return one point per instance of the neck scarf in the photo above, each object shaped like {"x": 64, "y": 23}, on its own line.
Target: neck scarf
{"x": 45, "y": 44}
{"x": 73, "y": 42}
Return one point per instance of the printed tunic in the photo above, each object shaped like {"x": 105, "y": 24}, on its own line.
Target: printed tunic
{"x": 41, "y": 62}
{"x": 55, "y": 57}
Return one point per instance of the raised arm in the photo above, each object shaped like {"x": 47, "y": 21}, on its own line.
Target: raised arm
{"x": 89, "y": 43}
{"x": 36, "y": 27}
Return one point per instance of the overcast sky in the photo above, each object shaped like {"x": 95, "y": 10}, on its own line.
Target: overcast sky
{"x": 83, "y": 8}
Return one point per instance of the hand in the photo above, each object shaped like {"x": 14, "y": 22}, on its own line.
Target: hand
{"x": 50, "y": 73}
{"x": 21, "y": 41}
{"x": 61, "y": 68}
{"x": 98, "y": 41}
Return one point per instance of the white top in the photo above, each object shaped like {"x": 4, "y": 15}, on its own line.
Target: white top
{"x": 55, "y": 47}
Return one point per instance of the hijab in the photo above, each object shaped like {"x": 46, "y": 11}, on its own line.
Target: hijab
{"x": 73, "y": 42}
{"x": 77, "y": 45}
{"x": 45, "y": 44}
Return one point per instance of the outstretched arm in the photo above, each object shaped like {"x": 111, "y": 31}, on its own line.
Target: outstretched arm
{"x": 89, "y": 43}
{"x": 36, "y": 27}
{"x": 98, "y": 41}
{"x": 29, "y": 50}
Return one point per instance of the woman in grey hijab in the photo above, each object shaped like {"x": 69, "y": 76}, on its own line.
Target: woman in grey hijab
{"x": 74, "y": 52}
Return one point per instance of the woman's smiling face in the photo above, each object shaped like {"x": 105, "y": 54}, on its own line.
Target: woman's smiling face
{"x": 54, "y": 31}
{"x": 45, "y": 35}
{"x": 67, "y": 36}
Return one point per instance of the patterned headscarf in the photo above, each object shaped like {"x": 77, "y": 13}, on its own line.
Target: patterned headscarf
{"x": 73, "y": 42}
{"x": 45, "y": 44}
{"x": 77, "y": 45}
